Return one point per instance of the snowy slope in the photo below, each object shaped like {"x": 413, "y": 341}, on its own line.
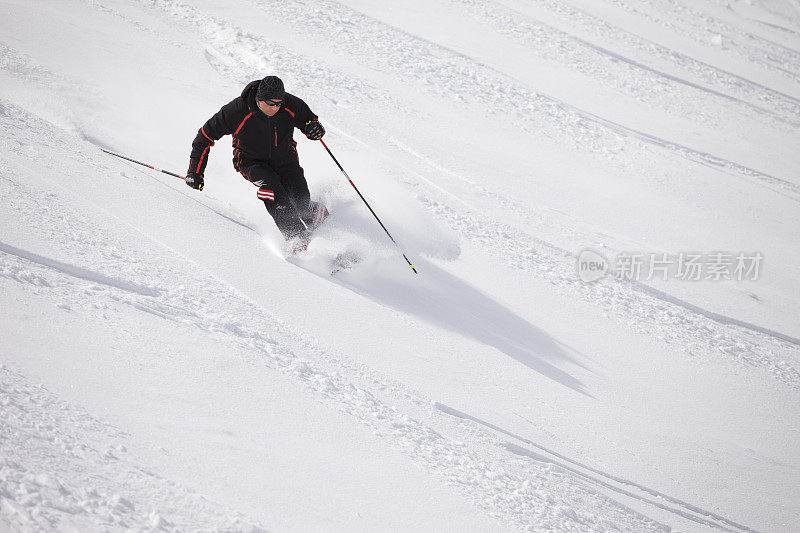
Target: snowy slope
{"x": 164, "y": 366}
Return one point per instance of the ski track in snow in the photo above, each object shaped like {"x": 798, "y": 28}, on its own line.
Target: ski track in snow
{"x": 448, "y": 73}
{"x": 662, "y": 319}
{"x": 687, "y": 20}
{"x": 517, "y": 491}
{"x": 79, "y": 272}
{"x": 744, "y": 88}
{"x": 45, "y": 447}
{"x": 241, "y": 57}
{"x": 648, "y": 313}
{"x": 657, "y": 317}
{"x": 519, "y": 494}
{"x": 633, "y": 77}
{"x": 615, "y": 483}
{"x": 512, "y": 483}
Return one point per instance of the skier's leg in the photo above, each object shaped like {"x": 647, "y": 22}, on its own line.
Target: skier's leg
{"x": 280, "y": 203}
{"x": 294, "y": 181}
{"x": 313, "y": 213}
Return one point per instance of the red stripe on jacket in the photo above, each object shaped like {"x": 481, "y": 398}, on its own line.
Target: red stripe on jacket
{"x": 202, "y": 157}
{"x": 205, "y": 152}
{"x": 236, "y": 145}
{"x": 243, "y": 121}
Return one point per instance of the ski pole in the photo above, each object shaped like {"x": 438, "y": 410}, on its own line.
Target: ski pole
{"x": 145, "y": 165}
{"x": 410, "y": 265}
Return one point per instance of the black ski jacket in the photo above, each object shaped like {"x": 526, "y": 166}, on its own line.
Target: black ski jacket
{"x": 256, "y": 137}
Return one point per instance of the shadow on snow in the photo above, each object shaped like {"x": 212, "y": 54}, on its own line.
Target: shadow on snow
{"x": 442, "y": 299}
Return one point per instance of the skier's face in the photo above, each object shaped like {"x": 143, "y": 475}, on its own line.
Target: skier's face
{"x": 269, "y": 107}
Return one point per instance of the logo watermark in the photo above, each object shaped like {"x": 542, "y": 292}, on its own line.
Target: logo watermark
{"x": 683, "y": 266}
{"x": 591, "y": 266}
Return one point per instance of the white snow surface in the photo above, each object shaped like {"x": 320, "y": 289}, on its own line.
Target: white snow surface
{"x": 164, "y": 366}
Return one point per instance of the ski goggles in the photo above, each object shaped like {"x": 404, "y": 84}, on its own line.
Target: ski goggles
{"x": 271, "y": 103}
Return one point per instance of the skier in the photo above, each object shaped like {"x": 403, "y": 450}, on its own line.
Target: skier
{"x": 262, "y": 122}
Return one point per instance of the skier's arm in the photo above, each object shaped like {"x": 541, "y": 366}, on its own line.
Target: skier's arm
{"x": 222, "y": 123}
{"x": 306, "y": 121}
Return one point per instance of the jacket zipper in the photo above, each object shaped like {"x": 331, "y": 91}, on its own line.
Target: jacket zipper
{"x": 269, "y": 146}
{"x": 275, "y": 129}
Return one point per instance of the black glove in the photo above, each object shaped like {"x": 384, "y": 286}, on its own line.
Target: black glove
{"x": 194, "y": 180}
{"x": 314, "y": 130}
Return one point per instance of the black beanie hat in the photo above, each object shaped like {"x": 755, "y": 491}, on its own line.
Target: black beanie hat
{"x": 270, "y": 88}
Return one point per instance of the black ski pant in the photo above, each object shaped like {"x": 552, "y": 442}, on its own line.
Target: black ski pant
{"x": 283, "y": 189}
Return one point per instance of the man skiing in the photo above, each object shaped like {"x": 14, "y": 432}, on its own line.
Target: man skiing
{"x": 262, "y": 122}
